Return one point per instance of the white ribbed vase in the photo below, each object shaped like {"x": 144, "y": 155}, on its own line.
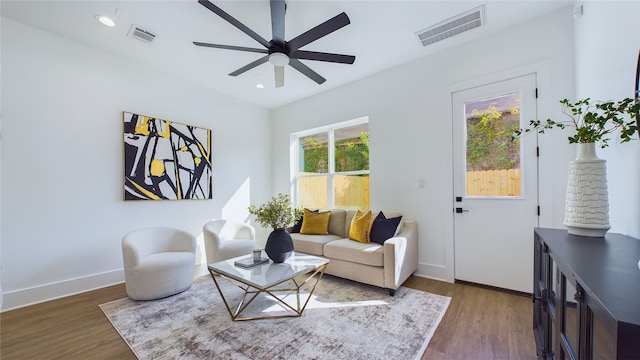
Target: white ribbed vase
{"x": 586, "y": 211}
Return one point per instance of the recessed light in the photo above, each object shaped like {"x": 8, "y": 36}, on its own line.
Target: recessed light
{"x": 105, "y": 20}
{"x": 260, "y": 85}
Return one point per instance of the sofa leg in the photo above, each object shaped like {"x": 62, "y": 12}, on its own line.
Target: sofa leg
{"x": 392, "y": 292}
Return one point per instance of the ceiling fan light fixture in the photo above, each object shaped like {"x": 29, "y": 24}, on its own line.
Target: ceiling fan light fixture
{"x": 278, "y": 59}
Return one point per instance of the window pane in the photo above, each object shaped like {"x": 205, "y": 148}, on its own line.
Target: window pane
{"x": 493, "y": 159}
{"x": 352, "y": 148}
{"x": 351, "y": 192}
{"x": 314, "y": 154}
{"x": 313, "y": 192}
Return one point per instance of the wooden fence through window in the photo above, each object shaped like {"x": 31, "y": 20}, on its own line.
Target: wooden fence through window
{"x": 494, "y": 183}
{"x": 350, "y": 192}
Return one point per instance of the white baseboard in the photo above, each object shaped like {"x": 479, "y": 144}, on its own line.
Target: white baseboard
{"x": 436, "y": 272}
{"x": 38, "y": 294}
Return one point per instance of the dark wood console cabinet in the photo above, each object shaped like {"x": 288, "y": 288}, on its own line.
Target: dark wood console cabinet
{"x": 586, "y": 296}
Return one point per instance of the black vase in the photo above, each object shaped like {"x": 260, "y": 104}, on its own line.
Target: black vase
{"x": 279, "y": 245}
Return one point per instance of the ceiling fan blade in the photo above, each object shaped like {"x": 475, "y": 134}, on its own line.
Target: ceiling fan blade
{"x": 337, "y": 22}
{"x": 233, "y": 21}
{"x": 279, "y": 73}
{"x": 277, "y": 21}
{"x": 305, "y": 70}
{"x": 231, "y": 47}
{"x": 321, "y": 56}
{"x": 250, "y": 66}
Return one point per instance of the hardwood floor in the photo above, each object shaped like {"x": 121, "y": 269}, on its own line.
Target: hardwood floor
{"x": 479, "y": 324}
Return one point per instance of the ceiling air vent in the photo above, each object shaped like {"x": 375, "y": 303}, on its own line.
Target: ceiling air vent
{"x": 451, "y": 27}
{"x": 141, "y": 34}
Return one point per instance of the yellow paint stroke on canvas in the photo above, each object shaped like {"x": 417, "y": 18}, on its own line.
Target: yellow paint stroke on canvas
{"x": 204, "y": 151}
{"x": 149, "y": 194}
{"x": 142, "y": 127}
{"x": 157, "y": 167}
{"x": 166, "y": 132}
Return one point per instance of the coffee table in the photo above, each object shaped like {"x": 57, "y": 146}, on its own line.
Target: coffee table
{"x": 270, "y": 279}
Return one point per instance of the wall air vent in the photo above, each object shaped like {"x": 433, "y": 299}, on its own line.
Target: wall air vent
{"x": 453, "y": 26}
{"x": 139, "y": 33}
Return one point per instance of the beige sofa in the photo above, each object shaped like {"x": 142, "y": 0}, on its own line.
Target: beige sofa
{"x": 386, "y": 266}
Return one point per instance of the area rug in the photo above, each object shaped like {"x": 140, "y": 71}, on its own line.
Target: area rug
{"x": 343, "y": 320}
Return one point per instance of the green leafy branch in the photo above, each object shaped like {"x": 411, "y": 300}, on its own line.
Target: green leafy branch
{"x": 277, "y": 213}
{"x": 592, "y": 121}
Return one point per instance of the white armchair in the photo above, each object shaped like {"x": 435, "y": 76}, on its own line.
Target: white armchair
{"x": 158, "y": 262}
{"x": 225, "y": 239}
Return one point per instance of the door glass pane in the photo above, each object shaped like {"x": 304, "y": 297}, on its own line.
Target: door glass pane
{"x": 314, "y": 154}
{"x": 554, "y": 339}
{"x": 312, "y": 192}
{"x": 554, "y": 288}
{"x": 352, "y": 148}
{"x": 351, "y": 192}
{"x": 603, "y": 345}
{"x": 492, "y": 158}
{"x": 570, "y": 317}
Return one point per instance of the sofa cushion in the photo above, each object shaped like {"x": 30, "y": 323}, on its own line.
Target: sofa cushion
{"x": 391, "y": 214}
{"x": 298, "y": 224}
{"x": 349, "y": 214}
{"x": 384, "y": 228}
{"x": 312, "y": 244}
{"x": 360, "y": 227}
{"x": 357, "y": 252}
{"x": 336, "y": 223}
{"x": 315, "y": 223}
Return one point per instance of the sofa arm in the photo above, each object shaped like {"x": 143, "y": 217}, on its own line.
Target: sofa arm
{"x": 401, "y": 256}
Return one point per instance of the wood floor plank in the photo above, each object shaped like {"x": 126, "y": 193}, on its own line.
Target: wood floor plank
{"x": 479, "y": 324}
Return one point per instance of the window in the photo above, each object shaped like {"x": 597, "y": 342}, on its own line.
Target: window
{"x": 493, "y": 159}
{"x": 331, "y": 166}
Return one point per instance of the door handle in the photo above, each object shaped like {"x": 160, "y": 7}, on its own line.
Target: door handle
{"x": 461, "y": 210}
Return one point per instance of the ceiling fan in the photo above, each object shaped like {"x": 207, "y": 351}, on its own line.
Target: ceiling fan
{"x": 280, "y": 52}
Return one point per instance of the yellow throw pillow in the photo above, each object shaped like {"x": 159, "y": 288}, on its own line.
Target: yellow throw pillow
{"x": 315, "y": 223}
{"x": 361, "y": 227}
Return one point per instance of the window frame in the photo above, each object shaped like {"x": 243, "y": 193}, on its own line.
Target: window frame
{"x": 294, "y": 165}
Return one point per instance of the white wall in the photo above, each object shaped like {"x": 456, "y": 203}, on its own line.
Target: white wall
{"x": 1, "y": 292}
{"x": 607, "y": 44}
{"x": 63, "y": 216}
{"x": 410, "y": 126}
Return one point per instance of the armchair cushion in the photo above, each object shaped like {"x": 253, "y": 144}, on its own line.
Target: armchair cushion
{"x": 224, "y": 239}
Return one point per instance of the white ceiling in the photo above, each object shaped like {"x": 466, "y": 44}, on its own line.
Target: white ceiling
{"x": 381, "y": 35}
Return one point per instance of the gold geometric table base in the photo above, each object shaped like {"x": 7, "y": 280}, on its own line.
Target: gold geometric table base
{"x": 251, "y": 292}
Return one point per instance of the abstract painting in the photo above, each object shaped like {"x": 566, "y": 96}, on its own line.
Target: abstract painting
{"x": 164, "y": 160}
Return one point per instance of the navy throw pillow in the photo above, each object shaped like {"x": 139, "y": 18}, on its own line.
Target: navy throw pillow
{"x": 383, "y": 228}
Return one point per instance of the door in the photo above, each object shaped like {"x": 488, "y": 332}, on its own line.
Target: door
{"x": 495, "y": 184}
